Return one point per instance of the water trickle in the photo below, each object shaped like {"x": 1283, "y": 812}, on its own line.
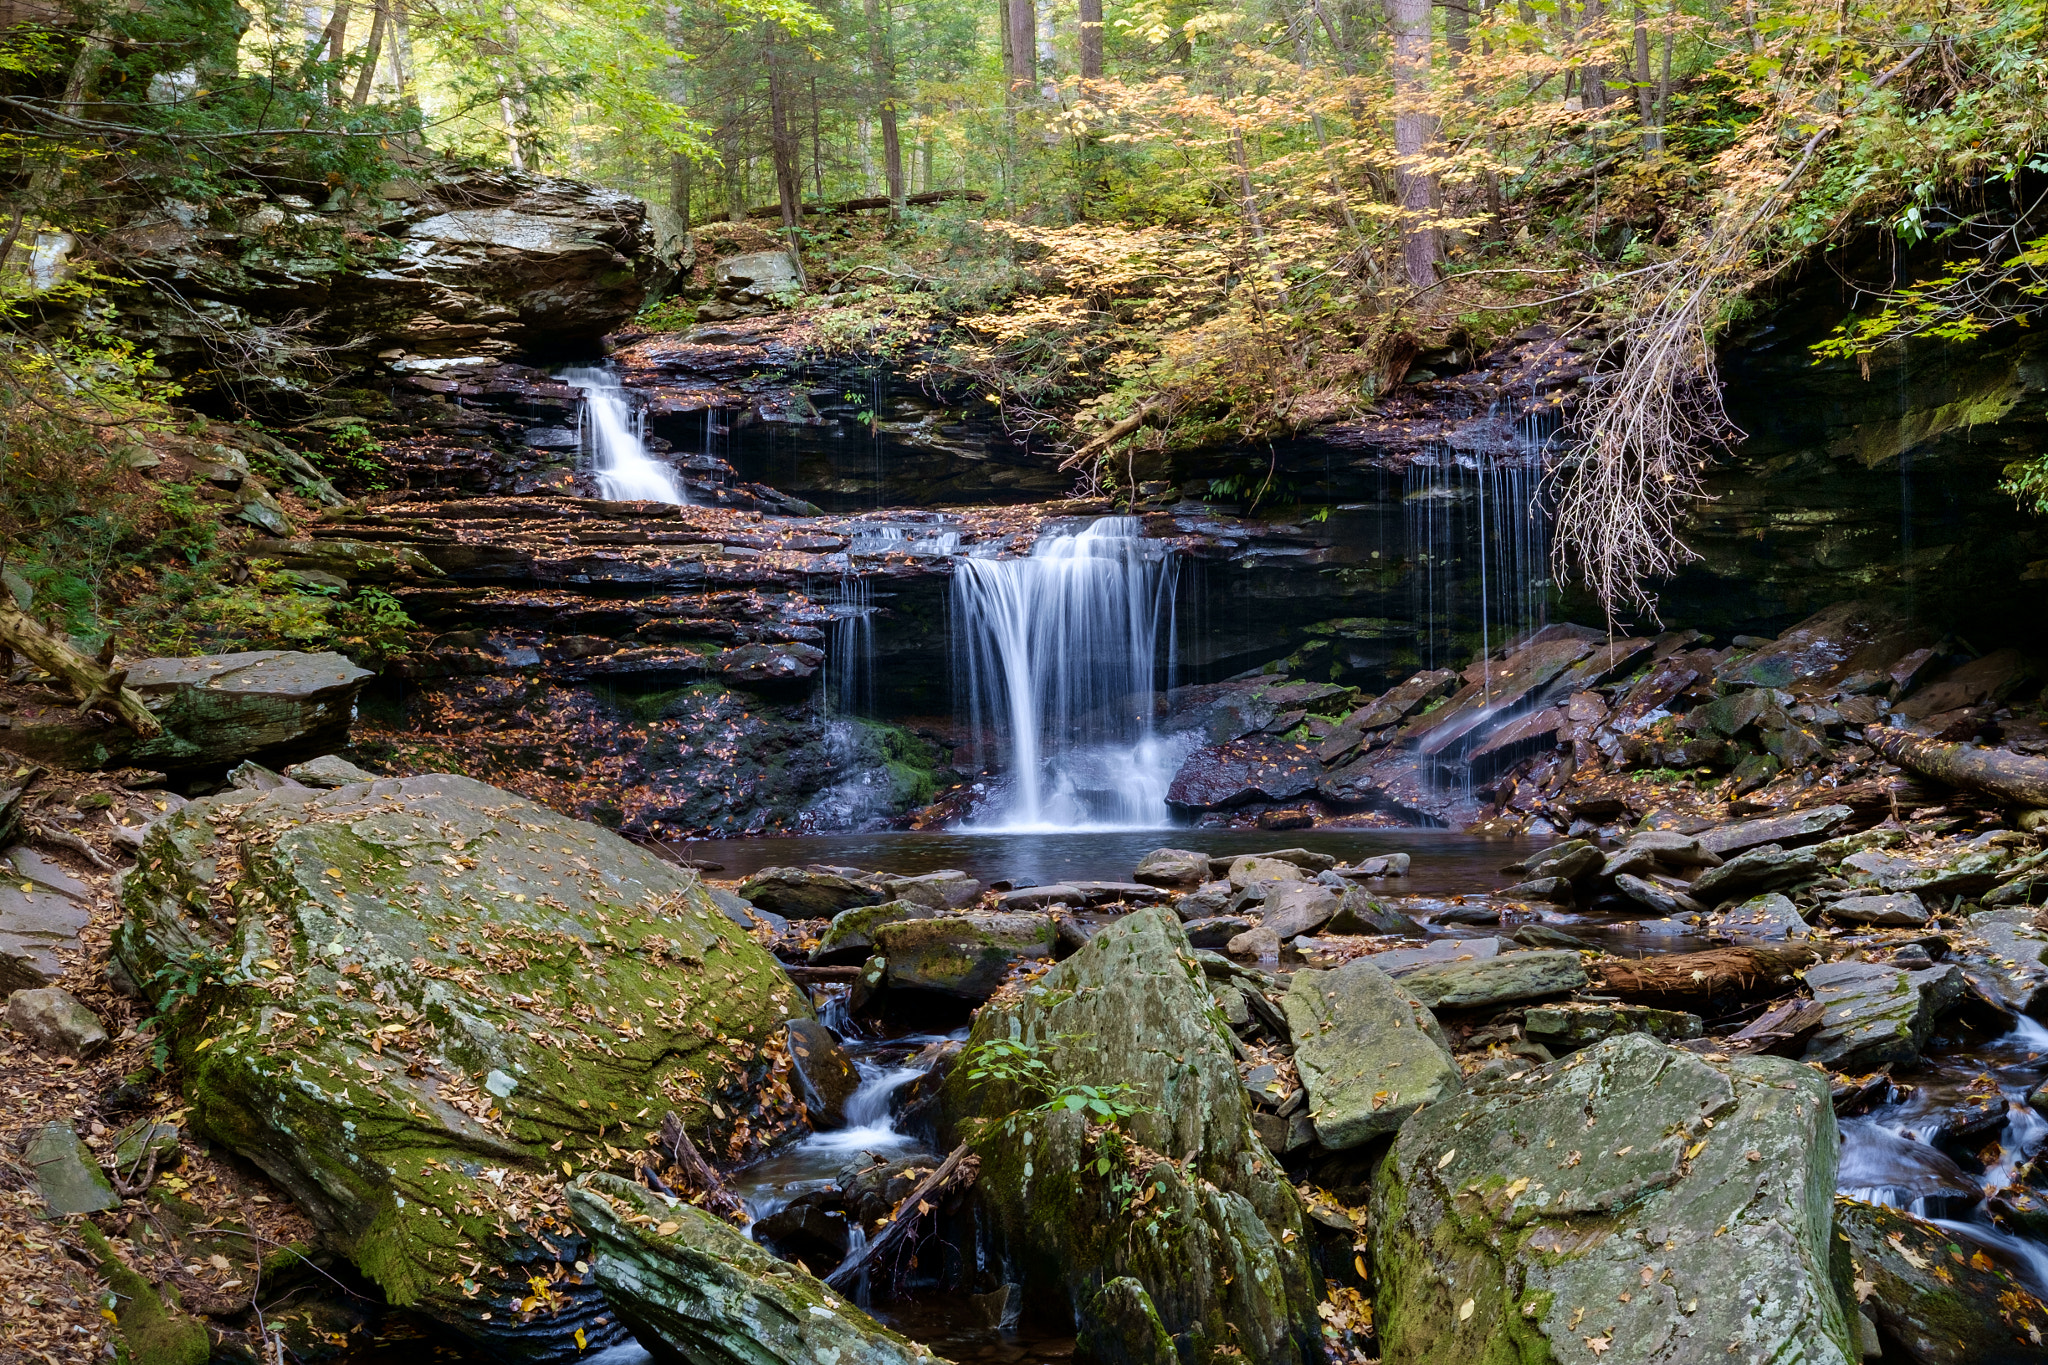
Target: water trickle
{"x": 613, "y": 436}
{"x": 1060, "y": 657}
{"x": 850, "y": 651}
{"x": 1479, "y": 538}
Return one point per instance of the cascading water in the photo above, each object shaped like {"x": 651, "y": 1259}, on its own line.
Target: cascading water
{"x": 1059, "y": 654}
{"x": 1888, "y": 1157}
{"x": 613, "y": 441}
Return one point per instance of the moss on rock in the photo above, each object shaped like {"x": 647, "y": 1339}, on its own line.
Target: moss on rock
{"x": 422, "y": 1004}
{"x": 1193, "y": 1211}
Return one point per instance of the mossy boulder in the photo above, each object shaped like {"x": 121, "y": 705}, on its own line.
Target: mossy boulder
{"x": 1368, "y": 1052}
{"x": 421, "y": 1004}
{"x": 849, "y": 938}
{"x": 694, "y": 1289}
{"x": 1633, "y": 1199}
{"x": 1937, "y": 1307}
{"x": 1192, "y": 1210}
{"x": 962, "y": 956}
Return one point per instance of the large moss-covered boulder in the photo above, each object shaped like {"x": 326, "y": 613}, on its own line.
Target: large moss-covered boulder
{"x": 1633, "y": 1202}
{"x": 421, "y": 1004}
{"x": 1192, "y": 1210}
{"x": 695, "y": 1289}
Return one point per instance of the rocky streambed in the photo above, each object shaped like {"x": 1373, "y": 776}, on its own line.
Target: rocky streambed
{"x": 527, "y": 1086}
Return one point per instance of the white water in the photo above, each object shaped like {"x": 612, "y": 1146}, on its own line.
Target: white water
{"x": 612, "y": 433}
{"x": 1059, "y": 657}
{"x": 1887, "y": 1160}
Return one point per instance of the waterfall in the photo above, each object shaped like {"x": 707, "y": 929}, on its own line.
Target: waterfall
{"x": 611, "y": 432}
{"x": 850, "y": 655}
{"x": 1059, "y": 654}
{"x": 1478, "y": 537}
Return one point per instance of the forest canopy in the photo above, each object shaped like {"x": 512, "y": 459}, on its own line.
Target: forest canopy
{"x": 1140, "y": 223}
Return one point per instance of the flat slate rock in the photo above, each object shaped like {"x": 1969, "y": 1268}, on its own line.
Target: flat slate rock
{"x": 2012, "y": 967}
{"x": 1758, "y": 869}
{"x": 1877, "y": 1014}
{"x": 68, "y": 1177}
{"x": 33, "y": 868}
{"x": 1900, "y": 910}
{"x": 1535, "y": 974}
{"x": 1255, "y": 768}
{"x": 33, "y": 925}
{"x": 1786, "y": 831}
{"x": 1402, "y": 961}
{"x": 1368, "y": 1052}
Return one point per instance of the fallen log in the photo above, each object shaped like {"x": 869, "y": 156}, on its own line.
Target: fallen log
{"x": 89, "y": 681}
{"x": 2001, "y": 773}
{"x": 1700, "y": 976}
{"x": 1780, "y": 1029}
{"x": 1150, "y": 415}
{"x": 806, "y": 975}
{"x": 880, "y": 201}
{"x": 693, "y": 1176}
{"x": 957, "y": 1171}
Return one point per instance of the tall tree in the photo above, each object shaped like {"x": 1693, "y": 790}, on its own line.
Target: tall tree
{"x": 1414, "y": 129}
{"x": 1091, "y": 40}
{"x": 882, "y": 63}
{"x": 782, "y": 144}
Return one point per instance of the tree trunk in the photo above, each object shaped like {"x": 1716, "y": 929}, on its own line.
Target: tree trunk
{"x": 882, "y": 60}
{"x": 1664, "y": 85}
{"x": 1023, "y": 48}
{"x": 1699, "y": 977}
{"x": 681, "y": 171}
{"x": 371, "y": 51}
{"x": 1421, "y": 246}
{"x": 1091, "y": 40}
{"x": 511, "y": 93}
{"x": 1997, "y": 772}
{"x": 402, "y": 73}
{"x": 1593, "y": 81}
{"x": 1646, "y": 91}
{"x": 789, "y": 183}
{"x": 89, "y": 681}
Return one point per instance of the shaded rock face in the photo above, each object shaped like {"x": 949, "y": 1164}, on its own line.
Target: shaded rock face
{"x": 1587, "y": 1207}
{"x": 694, "y": 1289}
{"x": 1885, "y": 486}
{"x": 418, "y": 1004}
{"x": 695, "y": 758}
{"x": 1219, "y": 1259}
{"x": 464, "y": 263}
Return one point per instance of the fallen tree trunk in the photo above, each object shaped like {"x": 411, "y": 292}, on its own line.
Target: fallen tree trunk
{"x": 1700, "y": 976}
{"x": 96, "y": 688}
{"x": 2001, "y": 773}
{"x": 872, "y": 202}
{"x": 957, "y": 1171}
{"x": 694, "y": 1177}
{"x": 1151, "y": 415}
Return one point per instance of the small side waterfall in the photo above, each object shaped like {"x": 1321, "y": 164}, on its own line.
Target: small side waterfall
{"x": 613, "y": 441}
{"x": 1478, "y": 536}
{"x": 1059, "y": 654}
